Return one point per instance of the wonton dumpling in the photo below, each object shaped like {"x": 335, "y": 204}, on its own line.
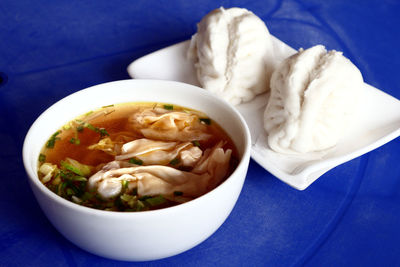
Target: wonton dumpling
{"x": 232, "y": 51}
{"x": 156, "y": 179}
{"x": 314, "y": 94}
{"x": 190, "y": 156}
{"x": 171, "y": 126}
{"x": 160, "y": 152}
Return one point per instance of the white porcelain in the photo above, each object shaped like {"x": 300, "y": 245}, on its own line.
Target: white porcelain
{"x": 378, "y": 123}
{"x": 144, "y": 235}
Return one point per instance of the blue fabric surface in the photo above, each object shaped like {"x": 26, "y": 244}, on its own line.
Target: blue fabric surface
{"x": 348, "y": 217}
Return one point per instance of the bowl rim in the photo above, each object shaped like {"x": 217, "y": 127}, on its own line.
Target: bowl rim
{"x": 34, "y": 179}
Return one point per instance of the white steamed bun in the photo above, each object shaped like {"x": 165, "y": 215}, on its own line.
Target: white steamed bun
{"x": 233, "y": 54}
{"x": 313, "y": 96}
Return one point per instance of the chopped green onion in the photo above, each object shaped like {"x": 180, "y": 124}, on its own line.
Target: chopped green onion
{"x": 79, "y": 128}
{"x": 175, "y": 161}
{"x": 60, "y": 188}
{"x": 155, "y": 201}
{"x": 102, "y": 132}
{"x": 53, "y": 139}
{"x": 140, "y": 206}
{"x": 205, "y": 120}
{"x": 169, "y": 107}
{"x": 79, "y": 179}
{"x": 71, "y": 168}
{"x": 89, "y": 126}
{"x": 136, "y": 161}
{"x": 57, "y": 179}
{"x": 70, "y": 191}
{"x": 65, "y": 175}
{"x": 42, "y": 157}
{"x": 196, "y": 143}
{"x": 76, "y": 190}
{"x": 178, "y": 193}
{"x": 76, "y": 167}
{"x": 125, "y": 184}
{"x": 145, "y": 197}
{"x": 132, "y": 201}
{"x": 75, "y": 141}
{"x": 108, "y": 106}
{"x": 126, "y": 197}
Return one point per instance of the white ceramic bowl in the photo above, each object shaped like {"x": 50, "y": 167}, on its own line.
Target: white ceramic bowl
{"x": 147, "y": 235}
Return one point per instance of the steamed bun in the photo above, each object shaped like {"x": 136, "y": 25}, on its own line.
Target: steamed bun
{"x": 313, "y": 96}
{"x": 232, "y": 51}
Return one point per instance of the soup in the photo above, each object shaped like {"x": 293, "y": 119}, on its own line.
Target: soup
{"x": 137, "y": 157}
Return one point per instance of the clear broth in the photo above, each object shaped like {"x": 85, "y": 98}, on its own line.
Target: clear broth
{"x": 115, "y": 120}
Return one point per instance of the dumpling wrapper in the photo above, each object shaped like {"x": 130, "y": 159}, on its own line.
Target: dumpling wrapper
{"x": 233, "y": 54}
{"x": 160, "y": 152}
{"x": 170, "y": 126}
{"x": 163, "y": 180}
{"x": 314, "y": 96}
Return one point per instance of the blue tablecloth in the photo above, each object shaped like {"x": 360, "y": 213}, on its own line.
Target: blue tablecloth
{"x": 348, "y": 217}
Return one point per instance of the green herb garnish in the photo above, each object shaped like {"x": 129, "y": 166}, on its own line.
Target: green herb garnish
{"x": 102, "y": 132}
{"x": 140, "y": 206}
{"x": 70, "y": 191}
{"x": 136, "y": 161}
{"x": 71, "y": 168}
{"x": 75, "y": 141}
{"x": 53, "y": 139}
{"x": 155, "y": 201}
{"x": 169, "y": 107}
{"x": 125, "y": 184}
{"x": 89, "y": 126}
{"x": 68, "y": 185}
{"x": 205, "y": 120}
{"x": 175, "y": 161}
{"x": 79, "y": 179}
{"x": 60, "y": 188}
{"x": 108, "y": 106}
{"x": 145, "y": 197}
{"x": 126, "y": 197}
{"x": 76, "y": 167}
{"x": 42, "y": 157}
{"x": 79, "y": 128}
{"x": 196, "y": 143}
